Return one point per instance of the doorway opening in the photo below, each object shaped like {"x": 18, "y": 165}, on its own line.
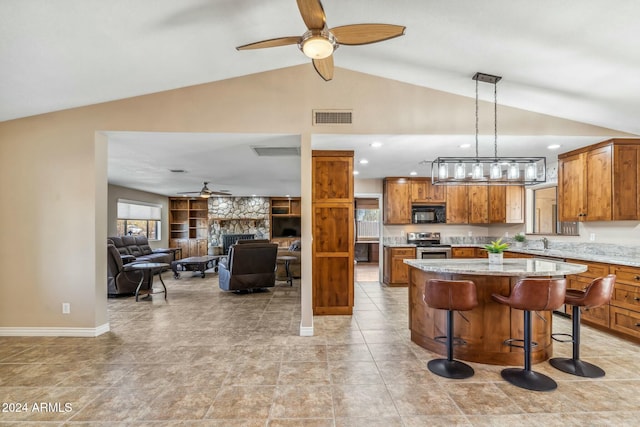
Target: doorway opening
{"x": 368, "y": 224}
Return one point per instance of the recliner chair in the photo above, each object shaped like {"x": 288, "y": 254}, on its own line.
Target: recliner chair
{"x": 121, "y": 279}
{"x": 249, "y": 266}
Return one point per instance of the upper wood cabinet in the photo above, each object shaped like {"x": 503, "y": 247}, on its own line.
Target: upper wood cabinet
{"x": 478, "y": 204}
{"x": 397, "y": 201}
{"x": 506, "y": 204}
{"x": 422, "y": 191}
{"x": 457, "y": 204}
{"x": 600, "y": 182}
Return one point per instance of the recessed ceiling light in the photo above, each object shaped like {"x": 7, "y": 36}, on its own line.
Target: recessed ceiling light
{"x": 376, "y": 144}
{"x": 413, "y": 173}
{"x": 553, "y": 146}
{"x": 356, "y": 172}
{"x": 464, "y": 145}
{"x": 364, "y": 161}
{"x": 253, "y": 195}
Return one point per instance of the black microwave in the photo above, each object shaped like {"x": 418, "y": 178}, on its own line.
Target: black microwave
{"x": 428, "y": 214}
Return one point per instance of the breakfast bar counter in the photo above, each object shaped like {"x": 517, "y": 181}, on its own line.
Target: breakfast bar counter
{"x": 490, "y": 323}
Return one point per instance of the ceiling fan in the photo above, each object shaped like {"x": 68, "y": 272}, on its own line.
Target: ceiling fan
{"x": 319, "y": 42}
{"x": 206, "y": 193}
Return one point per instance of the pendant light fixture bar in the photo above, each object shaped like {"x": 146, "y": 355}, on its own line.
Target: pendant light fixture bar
{"x": 488, "y": 170}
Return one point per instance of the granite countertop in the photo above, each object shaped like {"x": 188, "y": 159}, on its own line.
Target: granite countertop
{"x": 557, "y": 253}
{"x": 510, "y": 267}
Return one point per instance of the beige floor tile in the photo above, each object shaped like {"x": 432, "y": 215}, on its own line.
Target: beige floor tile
{"x": 304, "y": 373}
{"x": 371, "y": 400}
{"x": 369, "y": 422}
{"x": 302, "y": 402}
{"x": 411, "y": 400}
{"x": 242, "y": 402}
{"x": 481, "y": 398}
{"x": 354, "y": 372}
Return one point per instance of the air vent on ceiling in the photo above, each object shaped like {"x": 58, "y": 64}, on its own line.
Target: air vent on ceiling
{"x": 177, "y": 170}
{"x": 277, "y": 151}
{"x": 332, "y": 117}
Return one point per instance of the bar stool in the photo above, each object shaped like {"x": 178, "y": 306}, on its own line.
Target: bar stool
{"x": 450, "y": 295}
{"x": 532, "y": 295}
{"x": 596, "y": 294}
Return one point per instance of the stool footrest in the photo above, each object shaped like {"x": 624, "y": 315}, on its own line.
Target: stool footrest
{"x": 442, "y": 339}
{"x": 556, "y": 337}
{"x": 517, "y": 342}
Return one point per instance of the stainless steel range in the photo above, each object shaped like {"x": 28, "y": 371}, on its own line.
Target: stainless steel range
{"x": 428, "y": 245}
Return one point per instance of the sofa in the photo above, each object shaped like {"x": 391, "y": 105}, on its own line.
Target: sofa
{"x": 294, "y": 265}
{"x": 138, "y": 247}
{"x": 121, "y": 278}
{"x": 250, "y": 265}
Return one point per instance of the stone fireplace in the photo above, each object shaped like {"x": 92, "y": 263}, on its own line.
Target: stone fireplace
{"x": 237, "y": 215}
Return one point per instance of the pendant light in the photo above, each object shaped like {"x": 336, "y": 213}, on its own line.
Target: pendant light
{"x": 489, "y": 170}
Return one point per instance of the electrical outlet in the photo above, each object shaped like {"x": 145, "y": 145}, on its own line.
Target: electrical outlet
{"x": 66, "y": 308}
{"x": 470, "y": 233}
{"x": 506, "y": 234}
{"x": 592, "y": 237}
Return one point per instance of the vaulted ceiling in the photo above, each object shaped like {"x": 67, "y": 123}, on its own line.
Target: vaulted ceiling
{"x": 578, "y": 60}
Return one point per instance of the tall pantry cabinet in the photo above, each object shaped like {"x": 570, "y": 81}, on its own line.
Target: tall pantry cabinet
{"x": 333, "y": 231}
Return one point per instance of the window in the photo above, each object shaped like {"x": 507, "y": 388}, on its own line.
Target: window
{"x": 139, "y": 219}
{"x": 367, "y": 219}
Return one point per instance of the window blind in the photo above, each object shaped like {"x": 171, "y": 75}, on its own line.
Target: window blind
{"x": 139, "y": 210}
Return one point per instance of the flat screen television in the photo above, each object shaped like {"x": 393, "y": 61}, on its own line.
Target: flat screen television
{"x": 286, "y": 227}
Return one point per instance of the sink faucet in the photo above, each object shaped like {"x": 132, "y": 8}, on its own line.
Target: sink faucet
{"x": 545, "y": 243}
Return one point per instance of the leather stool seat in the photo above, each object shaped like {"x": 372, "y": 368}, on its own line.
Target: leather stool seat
{"x": 450, "y": 295}
{"x": 532, "y": 295}
{"x": 596, "y": 294}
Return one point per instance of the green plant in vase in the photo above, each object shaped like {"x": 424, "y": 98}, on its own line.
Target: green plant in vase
{"x": 496, "y": 247}
{"x": 520, "y": 239}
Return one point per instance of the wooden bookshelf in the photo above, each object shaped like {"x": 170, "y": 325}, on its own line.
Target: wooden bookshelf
{"x": 189, "y": 225}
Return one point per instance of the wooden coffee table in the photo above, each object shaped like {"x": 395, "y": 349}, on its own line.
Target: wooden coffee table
{"x": 195, "y": 263}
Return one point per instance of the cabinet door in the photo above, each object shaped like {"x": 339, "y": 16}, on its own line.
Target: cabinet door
{"x": 397, "y": 201}
{"x": 497, "y": 204}
{"x": 478, "y": 204}
{"x": 457, "y": 204}
{"x": 422, "y": 191}
{"x": 515, "y": 204}
{"x": 571, "y": 188}
{"x": 183, "y": 244}
{"x": 599, "y": 184}
{"x": 626, "y": 181}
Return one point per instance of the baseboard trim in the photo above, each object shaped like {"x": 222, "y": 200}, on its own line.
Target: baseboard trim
{"x": 306, "y": 331}
{"x": 55, "y": 332}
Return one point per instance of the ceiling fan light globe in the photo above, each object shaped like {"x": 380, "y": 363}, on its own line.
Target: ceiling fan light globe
{"x": 318, "y": 44}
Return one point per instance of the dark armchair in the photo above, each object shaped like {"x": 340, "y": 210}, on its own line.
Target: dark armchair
{"x": 121, "y": 280}
{"x": 249, "y": 265}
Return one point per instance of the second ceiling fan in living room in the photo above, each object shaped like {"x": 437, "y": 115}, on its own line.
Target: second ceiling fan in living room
{"x": 205, "y": 192}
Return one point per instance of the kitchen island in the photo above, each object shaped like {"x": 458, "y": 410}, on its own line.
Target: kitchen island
{"x": 490, "y": 323}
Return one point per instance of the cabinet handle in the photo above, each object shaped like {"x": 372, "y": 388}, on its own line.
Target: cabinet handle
{"x": 636, "y": 299}
{"x": 637, "y": 277}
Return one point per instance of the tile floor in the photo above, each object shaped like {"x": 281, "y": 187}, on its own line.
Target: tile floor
{"x": 209, "y": 358}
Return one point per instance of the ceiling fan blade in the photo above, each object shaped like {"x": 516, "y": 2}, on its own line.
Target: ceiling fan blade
{"x": 324, "y": 67}
{"x": 358, "y": 34}
{"x": 189, "y": 192}
{"x": 220, "y": 193}
{"x": 281, "y": 41}
{"x": 312, "y": 14}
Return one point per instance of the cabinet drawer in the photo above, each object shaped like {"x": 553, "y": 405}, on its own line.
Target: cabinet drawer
{"x": 463, "y": 252}
{"x": 403, "y": 252}
{"x": 625, "y": 321}
{"x": 598, "y": 315}
{"x": 594, "y": 269}
{"x": 628, "y": 275}
{"x": 626, "y": 296}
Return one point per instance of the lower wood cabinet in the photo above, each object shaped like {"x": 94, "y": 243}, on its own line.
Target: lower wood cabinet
{"x": 190, "y": 247}
{"x": 395, "y": 271}
{"x": 463, "y": 252}
{"x": 622, "y": 314}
